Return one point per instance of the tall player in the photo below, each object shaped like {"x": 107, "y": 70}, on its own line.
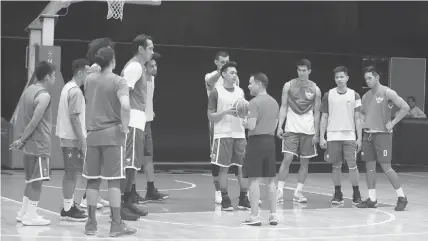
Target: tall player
{"x": 71, "y": 130}
{"x": 260, "y": 160}
{"x": 35, "y": 141}
{"x": 229, "y": 142}
{"x": 212, "y": 80}
{"x": 136, "y": 77}
{"x": 341, "y": 119}
{"x": 93, "y": 48}
{"x": 377, "y": 139}
{"x": 107, "y": 120}
{"x": 301, "y": 100}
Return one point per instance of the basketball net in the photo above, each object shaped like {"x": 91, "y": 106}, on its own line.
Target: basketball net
{"x": 115, "y": 9}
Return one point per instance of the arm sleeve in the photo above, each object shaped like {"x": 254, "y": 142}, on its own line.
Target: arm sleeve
{"x": 75, "y": 101}
{"x": 212, "y": 101}
{"x": 253, "y": 110}
{"x": 132, "y": 74}
{"x": 122, "y": 88}
{"x": 324, "y": 104}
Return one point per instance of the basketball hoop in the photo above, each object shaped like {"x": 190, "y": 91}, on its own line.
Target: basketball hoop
{"x": 115, "y": 9}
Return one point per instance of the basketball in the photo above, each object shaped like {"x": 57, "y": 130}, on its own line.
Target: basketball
{"x": 241, "y": 107}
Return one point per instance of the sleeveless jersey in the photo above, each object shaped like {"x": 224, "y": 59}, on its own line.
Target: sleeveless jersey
{"x": 39, "y": 143}
{"x": 377, "y": 110}
{"x": 229, "y": 126}
{"x": 300, "y": 114}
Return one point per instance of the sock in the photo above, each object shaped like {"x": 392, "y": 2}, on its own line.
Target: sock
{"x": 84, "y": 196}
{"x": 356, "y": 190}
{"x": 24, "y": 204}
{"x": 281, "y": 185}
{"x": 134, "y": 188}
{"x": 372, "y": 194}
{"x": 115, "y": 215}
{"x": 91, "y": 211}
{"x": 32, "y": 207}
{"x": 223, "y": 194}
{"x": 299, "y": 187}
{"x": 68, "y": 203}
{"x": 337, "y": 189}
{"x": 126, "y": 196}
{"x": 242, "y": 195}
{"x": 217, "y": 185}
{"x": 150, "y": 187}
{"x": 400, "y": 192}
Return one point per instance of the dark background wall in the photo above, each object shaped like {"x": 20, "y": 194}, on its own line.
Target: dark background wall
{"x": 260, "y": 36}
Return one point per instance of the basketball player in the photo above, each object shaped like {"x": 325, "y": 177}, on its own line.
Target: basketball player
{"x": 71, "y": 130}
{"x": 377, "y": 137}
{"x": 107, "y": 120}
{"x": 212, "y": 80}
{"x": 260, "y": 160}
{"x": 301, "y": 100}
{"x": 93, "y": 48}
{"x": 136, "y": 77}
{"x": 152, "y": 193}
{"x": 35, "y": 141}
{"x": 229, "y": 135}
{"x": 341, "y": 119}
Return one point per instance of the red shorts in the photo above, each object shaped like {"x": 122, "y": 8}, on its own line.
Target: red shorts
{"x": 377, "y": 147}
{"x": 299, "y": 145}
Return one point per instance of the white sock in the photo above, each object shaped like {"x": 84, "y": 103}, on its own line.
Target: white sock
{"x": 24, "y": 206}
{"x": 372, "y": 194}
{"x": 400, "y": 192}
{"x": 68, "y": 203}
{"x": 32, "y": 207}
{"x": 299, "y": 187}
{"x": 281, "y": 185}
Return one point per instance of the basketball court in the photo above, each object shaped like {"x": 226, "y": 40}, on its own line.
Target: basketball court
{"x": 190, "y": 212}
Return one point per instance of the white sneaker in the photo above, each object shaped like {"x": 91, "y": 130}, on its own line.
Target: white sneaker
{"x": 279, "y": 196}
{"x": 34, "y": 220}
{"x": 84, "y": 204}
{"x": 273, "y": 220}
{"x": 217, "y": 197}
{"x": 103, "y": 202}
{"x": 20, "y": 215}
{"x": 299, "y": 198}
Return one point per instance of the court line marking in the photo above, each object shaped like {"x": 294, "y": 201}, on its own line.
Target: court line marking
{"x": 235, "y": 239}
{"x": 277, "y": 238}
{"x": 390, "y": 219}
{"x": 191, "y": 185}
{"x": 412, "y": 175}
{"x": 316, "y": 193}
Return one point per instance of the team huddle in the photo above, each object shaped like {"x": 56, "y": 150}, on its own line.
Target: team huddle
{"x": 105, "y": 134}
{"x": 340, "y": 122}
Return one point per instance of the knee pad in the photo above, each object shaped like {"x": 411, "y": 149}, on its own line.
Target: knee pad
{"x": 215, "y": 170}
{"x": 337, "y": 165}
{"x": 352, "y": 165}
{"x": 371, "y": 166}
{"x": 235, "y": 170}
{"x": 94, "y": 184}
{"x": 386, "y": 167}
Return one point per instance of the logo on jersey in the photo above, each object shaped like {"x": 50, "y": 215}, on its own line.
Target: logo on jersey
{"x": 309, "y": 95}
{"x": 379, "y": 99}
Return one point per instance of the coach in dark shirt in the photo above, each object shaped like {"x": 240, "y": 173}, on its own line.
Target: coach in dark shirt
{"x": 260, "y": 161}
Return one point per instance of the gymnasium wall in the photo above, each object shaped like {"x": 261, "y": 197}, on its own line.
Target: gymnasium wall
{"x": 345, "y": 32}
